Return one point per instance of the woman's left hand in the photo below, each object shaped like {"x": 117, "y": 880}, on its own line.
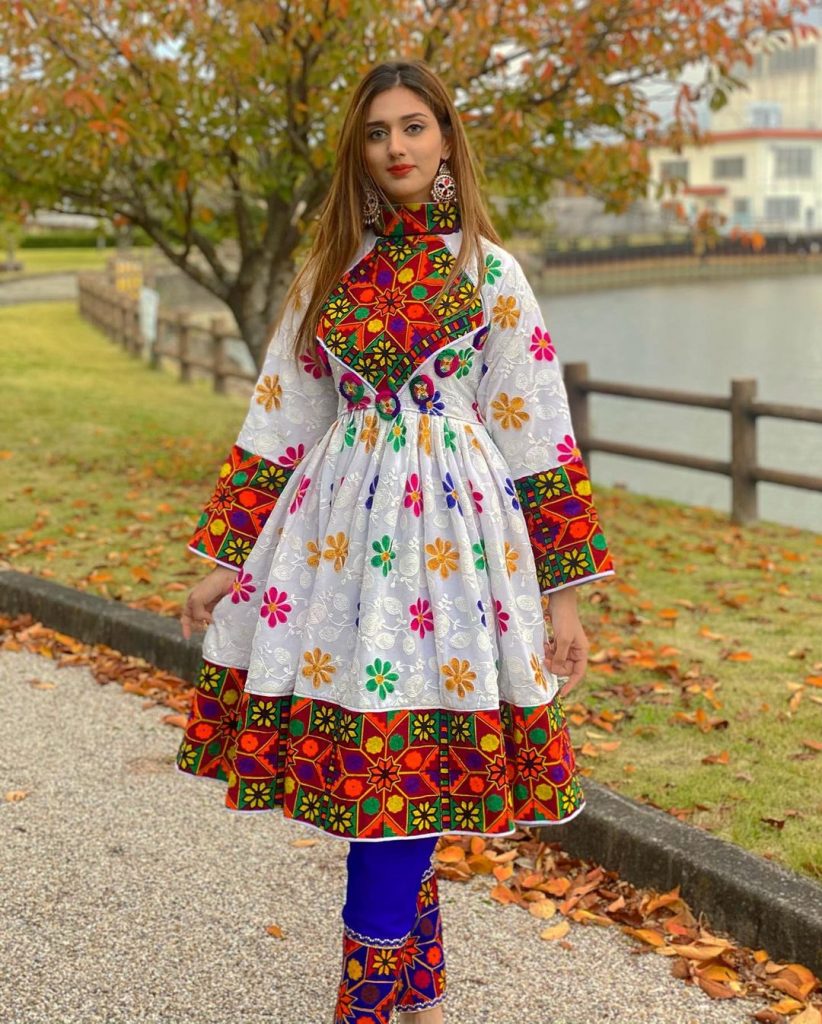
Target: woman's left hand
{"x": 566, "y": 653}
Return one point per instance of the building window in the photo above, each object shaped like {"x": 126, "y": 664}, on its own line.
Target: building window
{"x": 782, "y": 208}
{"x": 742, "y": 206}
{"x": 674, "y": 169}
{"x": 800, "y": 58}
{"x": 729, "y": 167}
{"x": 793, "y": 162}
{"x": 764, "y": 115}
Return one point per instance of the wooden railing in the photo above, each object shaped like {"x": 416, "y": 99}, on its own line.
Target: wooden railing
{"x": 742, "y": 467}
{"x": 116, "y": 314}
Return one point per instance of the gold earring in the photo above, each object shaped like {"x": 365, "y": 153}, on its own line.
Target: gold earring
{"x": 371, "y": 203}
{"x": 444, "y": 189}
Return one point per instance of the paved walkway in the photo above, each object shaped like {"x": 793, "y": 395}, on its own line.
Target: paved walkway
{"x": 40, "y": 288}
{"x": 131, "y": 895}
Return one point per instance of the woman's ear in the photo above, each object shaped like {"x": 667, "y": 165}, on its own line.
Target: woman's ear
{"x": 446, "y": 147}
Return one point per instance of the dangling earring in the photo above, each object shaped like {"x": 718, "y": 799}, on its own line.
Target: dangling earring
{"x": 444, "y": 189}
{"x": 371, "y": 203}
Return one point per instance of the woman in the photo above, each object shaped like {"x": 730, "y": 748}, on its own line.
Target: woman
{"x": 404, "y": 489}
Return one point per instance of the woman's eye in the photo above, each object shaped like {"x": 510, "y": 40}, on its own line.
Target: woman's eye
{"x": 415, "y": 126}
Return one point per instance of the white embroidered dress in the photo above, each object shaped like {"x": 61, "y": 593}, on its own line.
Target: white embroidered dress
{"x": 395, "y": 506}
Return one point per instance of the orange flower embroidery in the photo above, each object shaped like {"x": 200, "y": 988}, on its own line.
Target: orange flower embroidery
{"x": 506, "y": 311}
{"x": 318, "y": 667}
{"x": 313, "y": 554}
{"x": 337, "y": 549}
{"x": 368, "y": 434}
{"x": 444, "y": 557}
{"x": 539, "y": 675}
{"x": 425, "y": 434}
{"x": 511, "y": 559}
{"x": 458, "y": 676}
{"x": 510, "y": 411}
{"x": 269, "y": 392}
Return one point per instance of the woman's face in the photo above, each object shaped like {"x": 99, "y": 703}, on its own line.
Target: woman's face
{"x": 404, "y": 145}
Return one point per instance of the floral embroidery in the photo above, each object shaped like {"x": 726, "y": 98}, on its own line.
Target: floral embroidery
{"x": 506, "y": 312}
{"x": 458, "y": 676}
{"x": 444, "y": 557}
{"x": 422, "y": 619}
{"x": 510, "y": 413}
{"x": 269, "y": 392}
{"x": 275, "y": 606}
{"x": 385, "y": 554}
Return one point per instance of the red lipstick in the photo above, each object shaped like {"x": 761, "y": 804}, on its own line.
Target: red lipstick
{"x": 399, "y": 169}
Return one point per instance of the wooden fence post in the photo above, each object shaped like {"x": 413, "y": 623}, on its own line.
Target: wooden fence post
{"x": 218, "y": 354}
{"x": 183, "y": 338}
{"x": 575, "y": 375}
{"x": 743, "y": 452}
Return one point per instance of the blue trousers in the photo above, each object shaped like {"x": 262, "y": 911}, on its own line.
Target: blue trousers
{"x": 383, "y": 881}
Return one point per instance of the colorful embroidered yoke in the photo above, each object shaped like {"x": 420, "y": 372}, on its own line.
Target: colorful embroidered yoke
{"x": 395, "y": 505}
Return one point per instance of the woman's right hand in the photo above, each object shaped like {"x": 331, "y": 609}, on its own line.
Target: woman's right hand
{"x": 204, "y": 596}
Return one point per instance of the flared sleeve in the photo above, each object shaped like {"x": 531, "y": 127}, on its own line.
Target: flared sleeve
{"x": 524, "y": 404}
{"x": 293, "y": 405}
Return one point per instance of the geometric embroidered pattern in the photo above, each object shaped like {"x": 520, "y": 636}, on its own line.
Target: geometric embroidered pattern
{"x": 563, "y": 525}
{"x": 369, "y": 983}
{"x": 387, "y": 316}
{"x": 381, "y": 774}
{"x": 422, "y": 961}
{"x": 247, "y": 490}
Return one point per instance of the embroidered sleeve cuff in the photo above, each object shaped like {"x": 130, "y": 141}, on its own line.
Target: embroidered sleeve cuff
{"x": 566, "y": 538}
{"x": 246, "y": 492}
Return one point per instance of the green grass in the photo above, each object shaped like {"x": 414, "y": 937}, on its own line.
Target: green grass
{"x": 56, "y": 261}
{"x": 108, "y": 464}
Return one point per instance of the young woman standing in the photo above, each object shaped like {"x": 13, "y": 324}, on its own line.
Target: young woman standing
{"x": 404, "y": 490}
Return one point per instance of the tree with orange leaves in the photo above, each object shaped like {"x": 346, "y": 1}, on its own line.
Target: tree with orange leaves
{"x": 207, "y": 122}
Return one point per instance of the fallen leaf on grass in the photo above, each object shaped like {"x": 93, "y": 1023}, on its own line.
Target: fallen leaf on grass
{"x": 723, "y": 757}
{"x": 793, "y": 979}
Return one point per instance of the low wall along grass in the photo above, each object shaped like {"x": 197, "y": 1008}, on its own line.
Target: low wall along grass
{"x": 704, "y": 689}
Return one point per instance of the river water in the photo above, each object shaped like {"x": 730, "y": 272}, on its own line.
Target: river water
{"x": 698, "y": 337}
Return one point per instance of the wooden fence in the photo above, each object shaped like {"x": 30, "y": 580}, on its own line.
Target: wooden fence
{"x": 116, "y": 314}
{"x": 742, "y": 467}
{"x": 180, "y": 337}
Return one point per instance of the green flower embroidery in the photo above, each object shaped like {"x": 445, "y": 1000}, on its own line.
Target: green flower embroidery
{"x": 465, "y": 357}
{"x": 449, "y": 436}
{"x": 385, "y": 555}
{"x": 351, "y": 433}
{"x": 493, "y": 268}
{"x": 382, "y": 677}
{"x": 397, "y": 433}
{"x": 479, "y": 551}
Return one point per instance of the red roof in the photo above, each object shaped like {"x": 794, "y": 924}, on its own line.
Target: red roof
{"x": 705, "y": 190}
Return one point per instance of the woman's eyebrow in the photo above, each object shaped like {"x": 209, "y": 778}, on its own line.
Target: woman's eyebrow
{"x": 405, "y": 117}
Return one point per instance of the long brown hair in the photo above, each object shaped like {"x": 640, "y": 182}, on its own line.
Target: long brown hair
{"x": 340, "y": 228}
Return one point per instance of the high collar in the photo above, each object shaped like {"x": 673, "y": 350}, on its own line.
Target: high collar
{"x": 418, "y": 219}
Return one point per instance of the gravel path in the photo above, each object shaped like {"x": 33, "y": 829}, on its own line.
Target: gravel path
{"x": 38, "y": 288}
{"x": 131, "y": 895}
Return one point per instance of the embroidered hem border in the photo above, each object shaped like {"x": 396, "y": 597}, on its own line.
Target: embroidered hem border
{"x": 381, "y": 774}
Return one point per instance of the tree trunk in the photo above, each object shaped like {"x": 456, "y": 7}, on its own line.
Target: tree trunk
{"x": 255, "y": 306}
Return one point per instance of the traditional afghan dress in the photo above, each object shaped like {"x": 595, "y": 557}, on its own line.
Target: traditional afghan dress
{"x": 396, "y": 505}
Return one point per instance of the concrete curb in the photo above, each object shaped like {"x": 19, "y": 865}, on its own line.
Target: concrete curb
{"x": 761, "y": 904}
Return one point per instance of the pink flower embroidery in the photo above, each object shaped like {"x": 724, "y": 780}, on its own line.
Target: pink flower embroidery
{"x": 502, "y": 617}
{"x": 241, "y": 589}
{"x": 541, "y": 345}
{"x": 422, "y": 619}
{"x": 568, "y": 451}
{"x": 413, "y": 494}
{"x": 275, "y": 606}
{"x": 293, "y": 456}
{"x": 477, "y": 496}
{"x": 298, "y": 497}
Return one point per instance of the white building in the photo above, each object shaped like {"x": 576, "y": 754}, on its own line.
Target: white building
{"x": 761, "y": 164}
